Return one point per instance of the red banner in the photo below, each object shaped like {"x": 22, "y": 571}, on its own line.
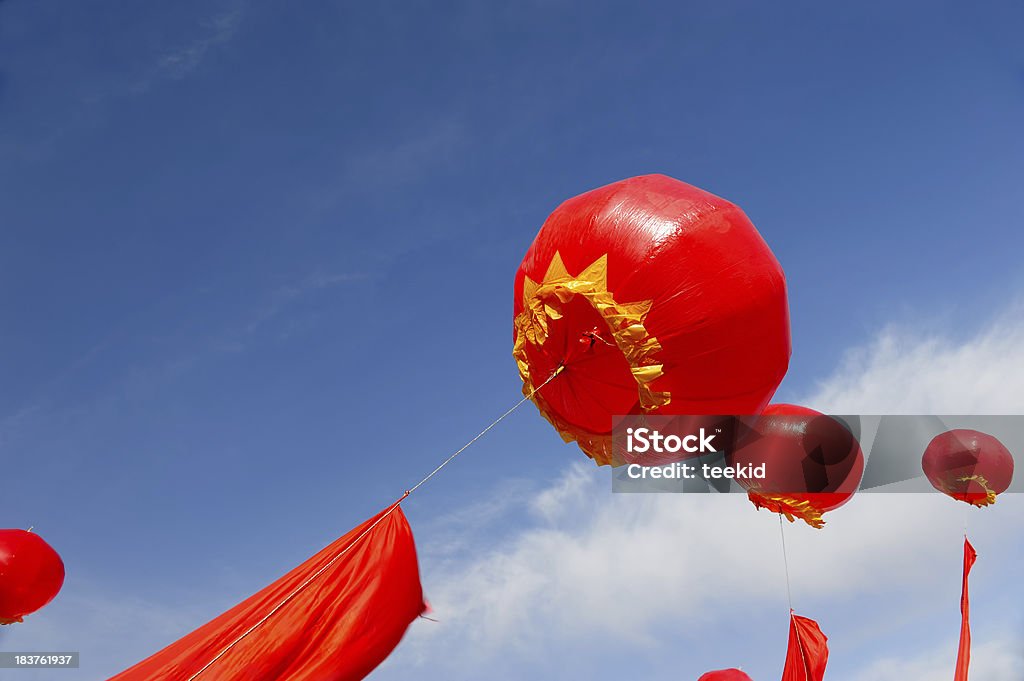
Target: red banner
{"x": 333, "y": 618}
{"x": 963, "y": 656}
{"x": 808, "y": 651}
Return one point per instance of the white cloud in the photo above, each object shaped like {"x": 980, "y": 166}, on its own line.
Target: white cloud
{"x": 284, "y": 296}
{"x": 998, "y": 660}
{"x": 75, "y": 83}
{"x": 434, "y": 147}
{"x": 904, "y": 372}
{"x": 217, "y": 30}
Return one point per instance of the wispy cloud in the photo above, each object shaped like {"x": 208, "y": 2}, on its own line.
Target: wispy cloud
{"x": 903, "y": 371}
{"x": 281, "y": 298}
{"x": 10, "y": 423}
{"x": 83, "y": 103}
{"x": 998, "y": 660}
{"x": 430, "y": 148}
{"x": 181, "y": 60}
{"x": 80, "y": 97}
{"x": 433, "y": 147}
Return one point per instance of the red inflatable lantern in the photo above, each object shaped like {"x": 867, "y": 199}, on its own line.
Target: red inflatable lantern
{"x": 969, "y": 466}
{"x": 725, "y": 675}
{"x": 31, "y": 574}
{"x": 648, "y": 296}
{"x": 811, "y": 462}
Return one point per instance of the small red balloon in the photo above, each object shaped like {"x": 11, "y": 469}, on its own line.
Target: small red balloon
{"x": 31, "y": 574}
{"x": 812, "y": 463}
{"x": 725, "y": 675}
{"x": 969, "y": 466}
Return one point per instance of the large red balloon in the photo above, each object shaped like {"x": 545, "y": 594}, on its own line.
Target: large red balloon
{"x": 31, "y": 574}
{"x": 969, "y": 466}
{"x": 812, "y": 463}
{"x": 648, "y": 296}
{"x": 725, "y": 675}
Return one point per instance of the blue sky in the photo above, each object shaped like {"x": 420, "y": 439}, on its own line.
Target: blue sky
{"x": 256, "y": 260}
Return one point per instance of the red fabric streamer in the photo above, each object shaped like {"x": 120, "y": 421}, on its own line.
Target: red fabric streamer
{"x": 963, "y": 655}
{"x": 807, "y": 654}
{"x": 333, "y": 618}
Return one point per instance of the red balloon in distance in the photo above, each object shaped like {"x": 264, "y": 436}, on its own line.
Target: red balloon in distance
{"x": 812, "y": 463}
{"x": 969, "y": 466}
{"x": 31, "y": 574}
{"x": 649, "y": 296}
{"x": 725, "y": 675}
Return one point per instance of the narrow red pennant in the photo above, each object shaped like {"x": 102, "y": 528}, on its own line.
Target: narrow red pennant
{"x": 963, "y": 655}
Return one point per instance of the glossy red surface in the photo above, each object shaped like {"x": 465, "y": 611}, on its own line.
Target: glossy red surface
{"x": 808, "y": 456}
{"x": 967, "y": 464}
{"x": 718, "y": 303}
{"x": 31, "y": 574}
{"x": 333, "y": 618}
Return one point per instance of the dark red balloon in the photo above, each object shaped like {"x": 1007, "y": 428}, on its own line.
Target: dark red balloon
{"x": 648, "y": 296}
{"x": 969, "y": 466}
{"x": 31, "y": 574}
{"x": 725, "y": 675}
{"x": 813, "y": 464}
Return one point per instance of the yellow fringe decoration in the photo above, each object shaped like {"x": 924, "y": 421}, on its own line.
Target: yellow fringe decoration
{"x": 543, "y": 301}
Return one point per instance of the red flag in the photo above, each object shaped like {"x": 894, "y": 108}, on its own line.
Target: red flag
{"x": 333, "y": 618}
{"x": 808, "y": 650}
{"x": 963, "y": 656}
